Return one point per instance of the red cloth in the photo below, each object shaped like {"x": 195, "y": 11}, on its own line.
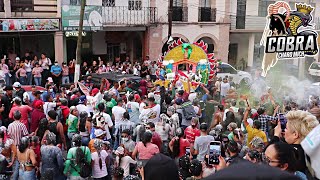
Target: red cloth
{"x": 24, "y": 110}
{"x": 38, "y": 153}
{"x": 184, "y": 143}
{"x": 156, "y": 139}
{"x": 36, "y": 116}
{"x": 191, "y": 134}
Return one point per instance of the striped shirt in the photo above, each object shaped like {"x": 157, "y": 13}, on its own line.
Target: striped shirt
{"x": 16, "y": 131}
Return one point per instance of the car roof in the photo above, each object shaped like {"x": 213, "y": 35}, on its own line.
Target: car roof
{"x": 115, "y": 76}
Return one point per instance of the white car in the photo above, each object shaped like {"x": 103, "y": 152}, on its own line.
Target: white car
{"x": 314, "y": 70}
{"x": 239, "y": 77}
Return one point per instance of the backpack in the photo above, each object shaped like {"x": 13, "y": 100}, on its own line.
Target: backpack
{"x": 188, "y": 111}
{"x": 85, "y": 167}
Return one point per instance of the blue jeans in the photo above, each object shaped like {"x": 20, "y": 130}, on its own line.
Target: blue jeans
{"x": 7, "y": 79}
{"x": 71, "y": 78}
{"x": 29, "y": 78}
{"x": 37, "y": 81}
{"x": 23, "y": 80}
{"x": 15, "y": 169}
{"x": 65, "y": 79}
{"x": 27, "y": 175}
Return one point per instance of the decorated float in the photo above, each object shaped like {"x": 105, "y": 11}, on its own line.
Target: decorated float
{"x": 185, "y": 62}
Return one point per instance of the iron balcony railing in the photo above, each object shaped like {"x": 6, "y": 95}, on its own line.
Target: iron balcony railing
{"x": 207, "y": 14}
{"x": 22, "y": 5}
{"x": 129, "y": 15}
{"x": 180, "y": 14}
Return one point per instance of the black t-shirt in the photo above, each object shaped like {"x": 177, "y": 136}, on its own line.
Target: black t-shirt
{"x": 6, "y": 101}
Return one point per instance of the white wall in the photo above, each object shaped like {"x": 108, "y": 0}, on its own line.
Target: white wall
{"x": 221, "y": 9}
{"x": 99, "y": 46}
{"x": 162, "y": 6}
{"x": 193, "y": 10}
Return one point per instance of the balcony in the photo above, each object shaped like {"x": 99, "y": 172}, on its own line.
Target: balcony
{"x": 180, "y": 14}
{"x": 128, "y": 15}
{"x": 207, "y": 14}
{"x": 22, "y": 5}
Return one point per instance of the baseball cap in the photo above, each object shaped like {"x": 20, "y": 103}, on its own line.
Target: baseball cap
{"x": 98, "y": 132}
{"x": 8, "y": 88}
{"x": 38, "y": 104}
{"x": 72, "y": 108}
{"x": 82, "y": 99}
{"x": 16, "y": 85}
{"x": 37, "y": 92}
{"x": 94, "y": 91}
{"x": 119, "y": 151}
{"x": 50, "y": 79}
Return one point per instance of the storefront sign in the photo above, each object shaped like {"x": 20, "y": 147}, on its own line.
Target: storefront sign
{"x": 289, "y": 34}
{"x": 74, "y": 33}
{"x": 17, "y": 25}
{"x": 71, "y": 16}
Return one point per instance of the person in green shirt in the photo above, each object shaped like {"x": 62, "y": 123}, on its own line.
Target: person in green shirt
{"x": 75, "y": 156}
{"x": 72, "y": 122}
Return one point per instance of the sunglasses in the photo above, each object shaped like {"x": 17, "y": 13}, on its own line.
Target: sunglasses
{"x": 148, "y": 128}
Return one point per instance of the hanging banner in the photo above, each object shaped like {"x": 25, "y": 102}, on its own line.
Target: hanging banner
{"x": 17, "y": 25}
{"x": 289, "y": 33}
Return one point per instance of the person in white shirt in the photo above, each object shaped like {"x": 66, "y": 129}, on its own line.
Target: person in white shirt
{"x": 117, "y": 111}
{"x": 82, "y": 106}
{"x": 124, "y": 161}
{"x": 28, "y": 68}
{"x": 49, "y": 105}
{"x": 103, "y": 120}
{"x": 123, "y": 124}
{"x": 225, "y": 87}
{"x": 232, "y": 108}
{"x": 133, "y": 109}
{"x": 152, "y": 112}
{"x": 218, "y": 84}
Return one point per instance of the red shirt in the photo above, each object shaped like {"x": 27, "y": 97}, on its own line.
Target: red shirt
{"x": 191, "y": 134}
{"x": 24, "y": 110}
{"x": 184, "y": 143}
{"x": 156, "y": 139}
{"x": 36, "y": 116}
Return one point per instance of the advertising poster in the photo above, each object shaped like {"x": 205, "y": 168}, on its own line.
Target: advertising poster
{"x": 16, "y": 25}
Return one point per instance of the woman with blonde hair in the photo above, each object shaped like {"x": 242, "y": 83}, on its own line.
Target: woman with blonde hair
{"x": 299, "y": 125}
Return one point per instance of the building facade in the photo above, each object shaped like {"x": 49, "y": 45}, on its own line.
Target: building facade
{"x": 248, "y": 21}
{"x": 31, "y": 26}
{"x": 193, "y": 21}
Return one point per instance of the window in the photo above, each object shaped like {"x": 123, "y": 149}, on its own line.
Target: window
{"x": 1, "y": 6}
{"x": 241, "y": 14}
{"x": 177, "y": 3}
{"x": 225, "y": 68}
{"x": 315, "y": 66}
{"x": 263, "y": 7}
{"x": 134, "y": 5}
{"x": 205, "y": 3}
{"x": 21, "y": 5}
{"x": 108, "y": 3}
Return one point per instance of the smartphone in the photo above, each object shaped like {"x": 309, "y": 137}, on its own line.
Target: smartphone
{"x": 188, "y": 151}
{"x": 283, "y": 121}
{"x": 214, "y": 152}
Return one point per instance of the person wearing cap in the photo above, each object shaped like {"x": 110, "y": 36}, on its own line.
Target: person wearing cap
{"x": 56, "y": 73}
{"x": 98, "y": 134}
{"x": 201, "y": 143}
{"x": 82, "y": 105}
{"x": 36, "y": 115}
{"x": 151, "y": 113}
{"x": 18, "y": 90}
{"x": 6, "y": 104}
{"x": 49, "y": 91}
{"x": 72, "y": 122}
{"x": 65, "y": 73}
{"x": 99, "y": 161}
{"x": 24, "y": 109}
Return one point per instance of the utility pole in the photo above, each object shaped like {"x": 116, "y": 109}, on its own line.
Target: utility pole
{"x": 79, "y": 42}
{"x": 170, "y": 10}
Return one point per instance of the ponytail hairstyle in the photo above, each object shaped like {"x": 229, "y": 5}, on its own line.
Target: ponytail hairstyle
{"x": 147, "y": 136}
{"x": 83, "y": 120}
{"x": 176, "y": 143}
{"x": 98, "y": 146}
{"x": 286, "y": 154}
{"x": 76, "y": 142}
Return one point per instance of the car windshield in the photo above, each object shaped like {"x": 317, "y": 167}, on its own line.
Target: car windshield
{"x": 315, "y": 66}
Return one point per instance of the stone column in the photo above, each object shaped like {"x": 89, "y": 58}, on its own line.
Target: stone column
{"x": 59, "y": 47}
{"x": 251, "y": 50}
{"x": 7, "y": 8}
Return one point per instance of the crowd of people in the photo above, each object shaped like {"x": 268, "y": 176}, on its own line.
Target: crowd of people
{"x": 150, "y": 133}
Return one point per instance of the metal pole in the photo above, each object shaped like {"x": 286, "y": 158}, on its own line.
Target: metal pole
{"x": 79, "y": 42}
